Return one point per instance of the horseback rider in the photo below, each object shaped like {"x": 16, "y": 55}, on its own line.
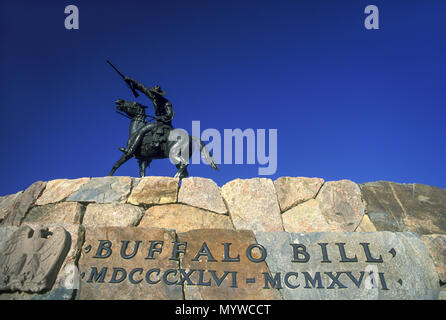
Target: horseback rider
{"x": 163, "y": 115}
{"x": 155, "y": 146}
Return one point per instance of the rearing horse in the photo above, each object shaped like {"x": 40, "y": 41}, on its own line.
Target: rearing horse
{"x": 178, "y": 144}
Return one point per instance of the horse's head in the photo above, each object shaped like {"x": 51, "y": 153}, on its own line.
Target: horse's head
{"x": 131, "y": 109}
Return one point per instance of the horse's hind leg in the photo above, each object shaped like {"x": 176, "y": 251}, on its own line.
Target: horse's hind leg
{"x": 181, "y": 165}
{"x": 182, "y": 171}
{"x": 142, "y": 167}
{"x": 179, "y": 155}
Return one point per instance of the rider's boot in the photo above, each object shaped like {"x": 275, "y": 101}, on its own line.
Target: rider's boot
{"x": 134, "y": 144}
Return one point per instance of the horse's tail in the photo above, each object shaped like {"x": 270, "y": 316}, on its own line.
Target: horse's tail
{"x": 205, "y": 153}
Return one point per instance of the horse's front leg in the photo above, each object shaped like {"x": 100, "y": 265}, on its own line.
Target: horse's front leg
{"x": 118, "y": 163}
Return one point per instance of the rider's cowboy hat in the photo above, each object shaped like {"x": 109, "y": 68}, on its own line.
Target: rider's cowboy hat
{"x": 156, "y": 89}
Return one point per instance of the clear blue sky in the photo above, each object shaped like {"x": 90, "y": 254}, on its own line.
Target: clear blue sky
{"x": 348, "y": 103}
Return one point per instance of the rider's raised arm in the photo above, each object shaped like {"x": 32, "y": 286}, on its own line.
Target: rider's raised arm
{"x": 140, "y": 87}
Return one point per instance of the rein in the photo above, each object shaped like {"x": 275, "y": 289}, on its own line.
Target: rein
{"x": 123, "y": 114}
{"x": 142, "y": 116}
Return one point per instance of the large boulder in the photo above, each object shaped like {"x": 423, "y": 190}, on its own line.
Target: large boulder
{"x": 292, "y": 191}
{"x": 60, "y": 189}
{"x": 39, "y": 260}
{"x": 63, "y": 212}
{"x": 405, "y": 207}
{"x": 7, "y": 203}
{"x": 436, "y": 245}
{"x": 237, "y": 278}
{"x": 349, "y": 265}
{"x": 253, "y": 204}
{"x": 22, "y": 203}
{"x": 112, "y": 215}
{"x": 202, "y": 193}
{"x": 108, "y": 273}
{"x": 337, "y": 207}
{"x": 306, "y": 217}
{"x": 341, "y": 204}
{"x": 103, "y": 190}
{"x": 183, "y": 218}
{"x": 154, "y": 190}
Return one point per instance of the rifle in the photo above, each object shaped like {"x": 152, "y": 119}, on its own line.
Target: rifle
{"x": 123, "y": 77}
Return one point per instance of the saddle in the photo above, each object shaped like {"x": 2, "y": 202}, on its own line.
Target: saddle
{"x": 159, "y": 134}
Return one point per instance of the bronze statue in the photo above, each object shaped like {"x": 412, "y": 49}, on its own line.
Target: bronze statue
{"x": 155, "y": 140}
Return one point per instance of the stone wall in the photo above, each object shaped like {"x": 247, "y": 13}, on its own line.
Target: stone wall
{"x": 292, "y": 238}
